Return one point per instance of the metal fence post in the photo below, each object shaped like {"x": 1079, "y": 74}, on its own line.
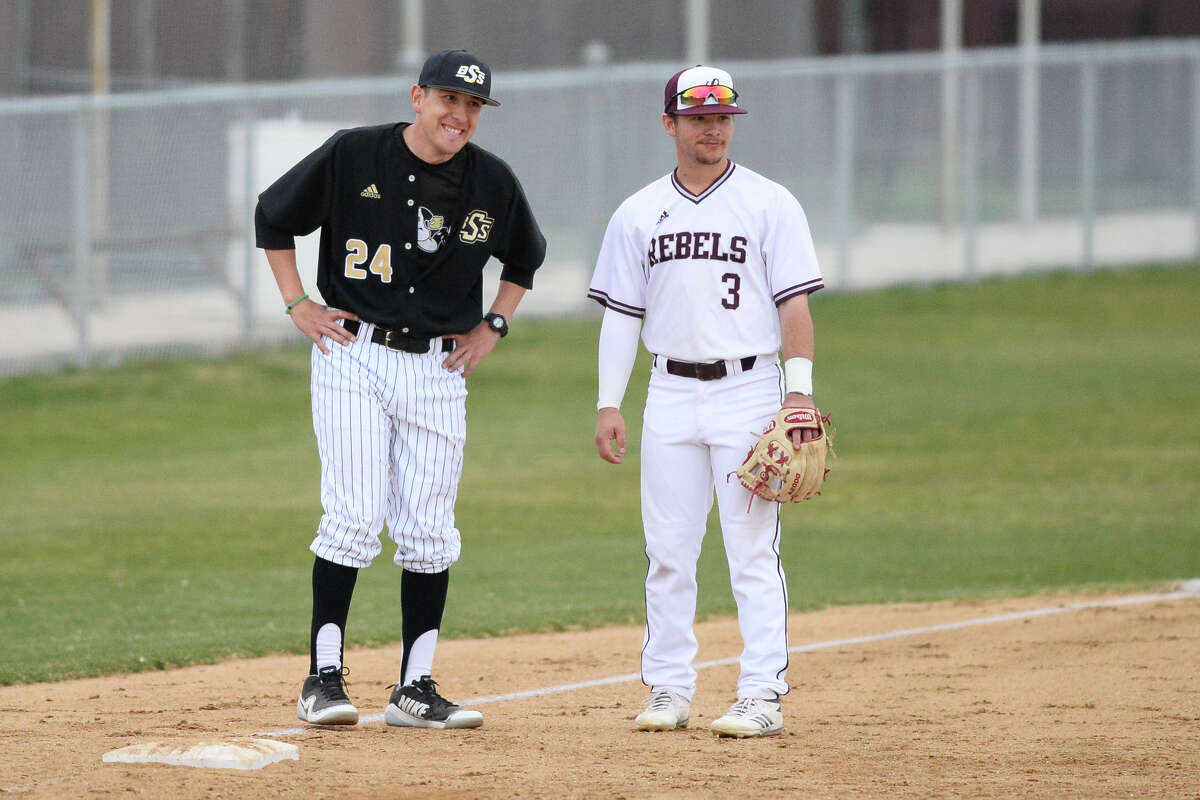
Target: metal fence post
{"x": 951, "y": 63}
{"x": 1196, "y": 151}
{"x": 1029, "y": 110}
{"x": 844, "y": 170}
{"x": 81, "y": 230}
{"x": 1087, "y": 159}
{"x": 970, "y": 176}
{"x": 595, "y": 177}
{"x": 249, "y": 202}
{"x": 696, "y": 17}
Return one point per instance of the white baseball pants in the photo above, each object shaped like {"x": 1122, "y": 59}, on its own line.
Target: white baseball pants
{"x": 695, "y": 434}
{"x": 390, "y": 429}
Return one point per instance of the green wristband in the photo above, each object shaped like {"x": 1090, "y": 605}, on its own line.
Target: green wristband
{"x": 295, "y": 303}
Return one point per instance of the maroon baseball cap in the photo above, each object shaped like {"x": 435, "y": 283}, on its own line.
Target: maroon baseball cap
{"x": 701, "y": 90}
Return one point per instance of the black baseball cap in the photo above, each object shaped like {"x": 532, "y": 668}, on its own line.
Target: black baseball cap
{"x": 458, "y": 71}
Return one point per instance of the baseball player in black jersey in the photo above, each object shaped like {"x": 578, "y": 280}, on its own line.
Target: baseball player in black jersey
{"x": 409, "y": 215}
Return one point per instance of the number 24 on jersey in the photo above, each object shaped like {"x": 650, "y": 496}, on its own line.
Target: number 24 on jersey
{"x": 356, "y": 255}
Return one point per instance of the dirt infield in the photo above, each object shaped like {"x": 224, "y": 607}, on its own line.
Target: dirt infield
{"x": 1087, "y": 703}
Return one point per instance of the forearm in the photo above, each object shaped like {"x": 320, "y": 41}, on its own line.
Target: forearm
{"x": 508, "y": 297}
{"x": 796, "y": 327}
{"x": 287, "y": 274}
{"x": 799, "y": 347}
{"x": 617, "y": 353}
{"x": 310, "y": 318}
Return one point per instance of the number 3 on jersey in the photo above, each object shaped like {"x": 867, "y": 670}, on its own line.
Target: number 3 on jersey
{"x": 734, "y": 282}
{"x": 356, "y": 254}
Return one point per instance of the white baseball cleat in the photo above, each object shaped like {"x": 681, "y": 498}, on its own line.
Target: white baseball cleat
{"x": 665, "y": 711}
{"x": 750, "y": 716}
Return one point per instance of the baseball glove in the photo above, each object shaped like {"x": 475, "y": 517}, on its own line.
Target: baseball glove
{"x": 775, "y": 470}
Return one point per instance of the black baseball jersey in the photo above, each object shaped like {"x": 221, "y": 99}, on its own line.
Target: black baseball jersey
{"x": 404, "y": 242}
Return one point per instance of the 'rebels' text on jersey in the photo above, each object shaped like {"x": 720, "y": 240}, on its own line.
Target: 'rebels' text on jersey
{"x": 698, "y": 245}
{"x": 404, "y": 242}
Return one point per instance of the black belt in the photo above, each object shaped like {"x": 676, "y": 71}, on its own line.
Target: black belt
{"x": 706, "y": 372}
{"x": 394, "y": 340}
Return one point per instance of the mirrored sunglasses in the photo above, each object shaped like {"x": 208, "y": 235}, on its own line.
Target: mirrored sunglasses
{"x": 698, "y": 95}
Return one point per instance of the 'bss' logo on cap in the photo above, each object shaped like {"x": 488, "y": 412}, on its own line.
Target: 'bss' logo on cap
{"x": 471, "y": 74}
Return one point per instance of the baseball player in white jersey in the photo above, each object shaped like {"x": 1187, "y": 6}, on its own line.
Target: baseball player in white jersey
{"x": 718, "y": 261}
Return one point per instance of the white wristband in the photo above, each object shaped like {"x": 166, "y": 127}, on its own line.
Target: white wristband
{"x": 798, "y": 375}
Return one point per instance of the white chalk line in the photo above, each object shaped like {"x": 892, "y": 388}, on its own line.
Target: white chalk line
{"x": 1192, "y": 590}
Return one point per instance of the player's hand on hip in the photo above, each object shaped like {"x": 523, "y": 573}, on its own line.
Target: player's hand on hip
{"x": 797, "y": 400}
{"x": 470, "y": 348}
{"x": 315, "y": 320}
{"x": 610, "y": 427}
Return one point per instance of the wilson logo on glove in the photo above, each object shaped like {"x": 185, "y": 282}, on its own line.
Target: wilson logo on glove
{"x": 804, "y": 415}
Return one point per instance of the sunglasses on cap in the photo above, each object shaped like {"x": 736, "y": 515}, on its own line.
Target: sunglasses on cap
{"x": 699, "y": 95}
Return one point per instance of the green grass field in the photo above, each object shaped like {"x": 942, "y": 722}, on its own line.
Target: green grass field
{"x": 1015, "y": 436}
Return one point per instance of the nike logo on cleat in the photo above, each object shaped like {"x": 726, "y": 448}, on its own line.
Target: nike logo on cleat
{"x": 410, "y": 706}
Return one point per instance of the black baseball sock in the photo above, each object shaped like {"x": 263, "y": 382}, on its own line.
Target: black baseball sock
{"x": 422, "y": 601}
{"x": 333, "y": 585}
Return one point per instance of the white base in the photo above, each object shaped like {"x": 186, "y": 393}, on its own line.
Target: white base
{"x": 239, "y": 754}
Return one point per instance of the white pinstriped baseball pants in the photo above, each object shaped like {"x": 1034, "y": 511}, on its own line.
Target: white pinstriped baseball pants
{"x": 390, "y": 429}
{"x": 694, "y": 434}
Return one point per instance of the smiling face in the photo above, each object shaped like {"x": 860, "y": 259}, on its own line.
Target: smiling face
{"x": 445, "y": 122}
{"x": 700, "y": 139}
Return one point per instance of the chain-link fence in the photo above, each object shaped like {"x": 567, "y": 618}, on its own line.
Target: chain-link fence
{"x": 125, "y": 224}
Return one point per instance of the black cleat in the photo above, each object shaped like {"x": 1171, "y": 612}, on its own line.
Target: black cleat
{"x": 323, "y": 699}
{"x": 418, "y": 705}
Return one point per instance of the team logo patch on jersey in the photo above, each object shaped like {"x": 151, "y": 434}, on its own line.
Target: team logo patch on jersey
{"x": 476, "y": 227}
{"x": 370, "y": 192}
{"x": 432, "y": 230}
{"x": 662, "y": 216}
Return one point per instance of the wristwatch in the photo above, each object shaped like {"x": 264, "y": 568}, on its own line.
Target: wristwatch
{"x": 496, "y": 322}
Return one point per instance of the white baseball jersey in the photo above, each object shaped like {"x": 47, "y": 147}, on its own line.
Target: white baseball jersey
{"x": 712, "y": 266}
